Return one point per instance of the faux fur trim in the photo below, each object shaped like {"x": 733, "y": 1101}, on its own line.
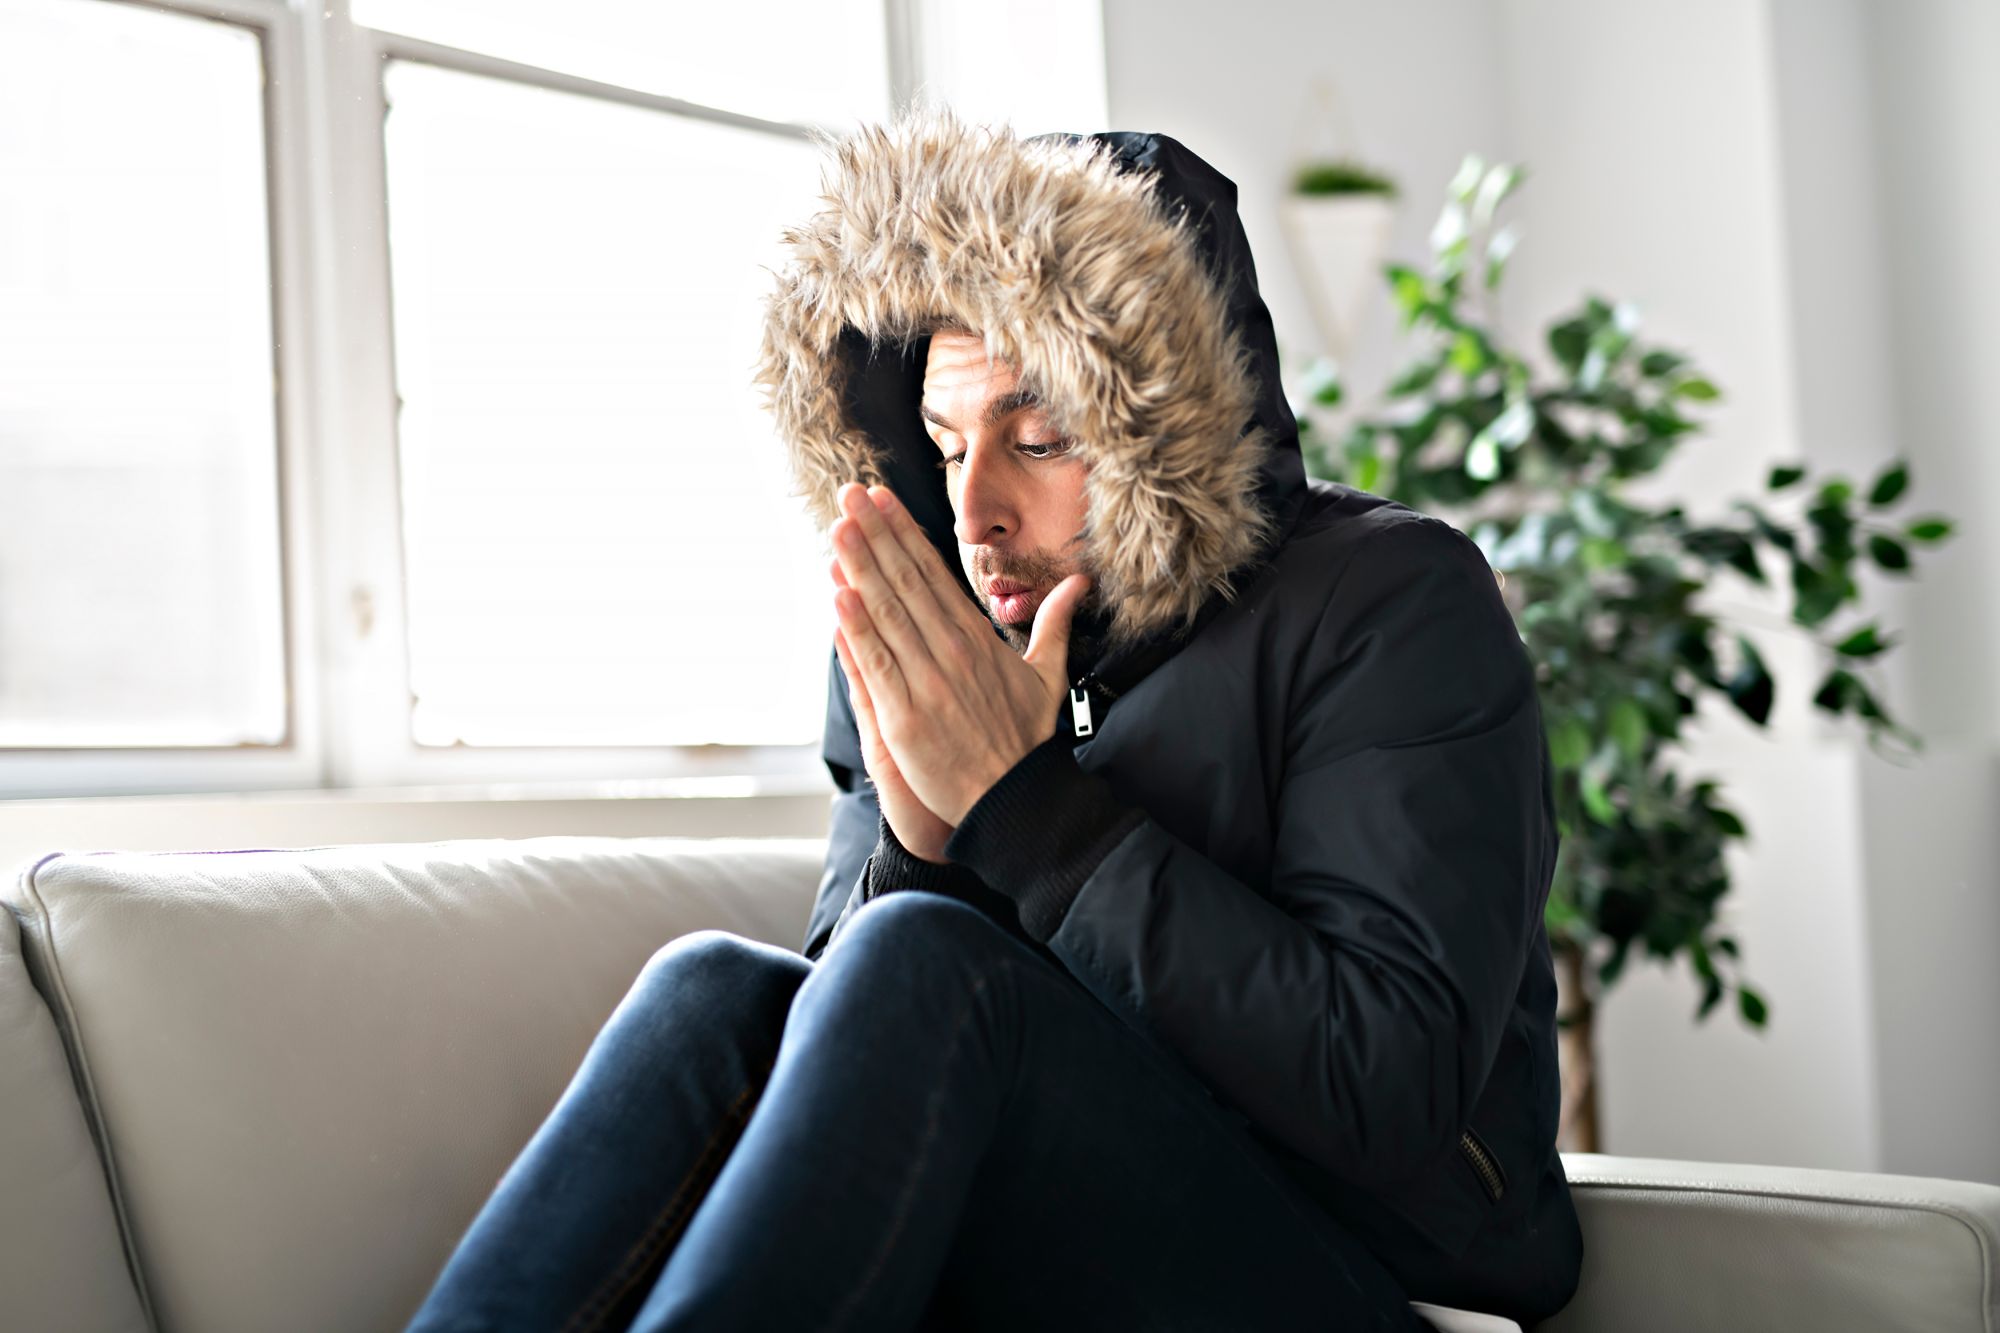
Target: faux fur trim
{"x": 1075, "y": 273}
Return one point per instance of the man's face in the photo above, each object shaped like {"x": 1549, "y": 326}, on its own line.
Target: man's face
{"x": 1016, "y": 489}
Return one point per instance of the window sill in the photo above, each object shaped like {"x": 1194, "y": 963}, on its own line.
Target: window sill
{"x": 770, "y": 805}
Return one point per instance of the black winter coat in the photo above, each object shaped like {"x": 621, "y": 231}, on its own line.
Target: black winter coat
{"x": 1308, "y": 843}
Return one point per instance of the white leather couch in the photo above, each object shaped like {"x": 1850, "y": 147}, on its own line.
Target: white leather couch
{"x": 244, "y": 1092}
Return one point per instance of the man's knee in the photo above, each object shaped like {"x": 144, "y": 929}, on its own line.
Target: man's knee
{"x": 724, "y": 966}
{"x": 926, "y": 924}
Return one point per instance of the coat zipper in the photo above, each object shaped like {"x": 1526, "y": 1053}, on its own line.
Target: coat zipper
{"x": 1483, "y": 1165}
{"x": 1080, "y": 719}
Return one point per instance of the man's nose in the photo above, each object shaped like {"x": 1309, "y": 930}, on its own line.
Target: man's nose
{"x": 987, "y": 512}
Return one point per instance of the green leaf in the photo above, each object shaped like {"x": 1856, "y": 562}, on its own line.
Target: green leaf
{"x": 1755, "y": 1012}
{"x": 1655, "y": 365}
{"x": 1782, "y": 538}
{"x": 1411, "y": 289}
{"x": 1499, "y": 248}
{"x": 1836, "y": 691}
{"x": 1513, "y": 425}
{"x": 1468, "y": 353}
{"x": 1590, "y": 785}
{"x": 1889, "y": 553}
{"x": 1415, "y": 433}
{"x": 1864, "y": 642}
{"x": 1698, "y": 390}
{"x": 1934, "y": 529}
{"x": 1895, "y": 479}
{"x": 1448, "y": 237}
{"x": 1784, "y": 475}
{"x": 1470, "y": 169}
{"x": 1835, "y": 527}
{"x": 1569, "y": 743}
{"x": 1590, "y": 375}
{"x": 1482, "y": 458}
{"x": 1836, "y": 492}
{"x": 1604, "y": 553}
{"x": 1751, "y": 688}
{"x": 1415, "y": 378}
{"x": 1366, "y": 472}
{"x": 1817, "y": 592}
{"x": 1727, "y": 546}
{"x": 1321, "y": 381}
{"x": 1569, "y": 343}
{"x": 1498, "y": 183}
{"x": 1628, "y": 727}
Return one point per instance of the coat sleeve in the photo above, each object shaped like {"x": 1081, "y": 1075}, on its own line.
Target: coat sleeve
{"x": 1352, "y": 1006}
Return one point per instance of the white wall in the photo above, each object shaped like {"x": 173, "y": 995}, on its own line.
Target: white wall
{"x": 1675, "y": 200}
{"x": 1933, "y": 839}
{"x": 1418, "y": 79}
{"x": 1722, "y": 163}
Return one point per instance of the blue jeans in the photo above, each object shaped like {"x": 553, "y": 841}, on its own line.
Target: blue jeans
{"x": 934, "y": 1127}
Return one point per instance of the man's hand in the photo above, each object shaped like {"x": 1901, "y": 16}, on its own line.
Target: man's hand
{"x": 954, "y": 706}
{"x": 922, "y": 833}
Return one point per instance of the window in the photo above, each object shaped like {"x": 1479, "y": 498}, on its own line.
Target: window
{"x": 375, "y": 399}
{"x": 140, "y": 574}
{"x": 593, "y": 504}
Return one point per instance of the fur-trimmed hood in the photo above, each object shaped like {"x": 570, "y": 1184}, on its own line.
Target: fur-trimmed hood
{"x": 1113, "y": 271}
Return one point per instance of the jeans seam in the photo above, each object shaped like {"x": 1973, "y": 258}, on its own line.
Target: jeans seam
{"x": 934, "y": 1118}
{"x": 658, "y": 1234}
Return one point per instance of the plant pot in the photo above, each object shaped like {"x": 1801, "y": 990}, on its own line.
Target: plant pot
{"x": 1338, "y": 242}
{"x": 1576, "y": 1050}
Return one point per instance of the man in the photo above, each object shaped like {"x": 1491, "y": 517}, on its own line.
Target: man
{"x": 1178, "y": 961}
{"x": 1257, "y": 762}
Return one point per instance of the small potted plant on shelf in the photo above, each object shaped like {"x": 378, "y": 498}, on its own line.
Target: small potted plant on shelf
{"x": 1337, "y": 221}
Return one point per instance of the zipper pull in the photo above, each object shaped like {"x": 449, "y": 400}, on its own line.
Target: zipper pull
{"x": 1079, "y": 710}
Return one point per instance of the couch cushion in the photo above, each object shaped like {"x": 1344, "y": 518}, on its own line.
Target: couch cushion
{"x": 310, "y": 1067}
{"x": 1728, "y": 1248}
{"x": 61, "y": 1263}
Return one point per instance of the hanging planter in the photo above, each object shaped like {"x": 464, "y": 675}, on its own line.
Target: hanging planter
{"x": 1337, "y": 223}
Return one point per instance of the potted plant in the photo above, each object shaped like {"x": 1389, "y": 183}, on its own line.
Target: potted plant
{"x": 1608, "y": 594}
{"x": 1336, "y": 220}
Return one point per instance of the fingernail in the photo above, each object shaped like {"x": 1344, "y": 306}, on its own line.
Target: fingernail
{"x": 885, "y": 499}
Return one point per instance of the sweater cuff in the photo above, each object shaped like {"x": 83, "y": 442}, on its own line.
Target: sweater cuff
{"x": 893, "y": 866}
{"x": 1040, "y": 832}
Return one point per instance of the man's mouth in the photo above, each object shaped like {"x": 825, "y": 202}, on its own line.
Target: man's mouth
{"x": 1012, "y": 602}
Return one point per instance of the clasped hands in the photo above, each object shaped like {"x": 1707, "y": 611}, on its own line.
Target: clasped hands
{"x": 943, "y": 705}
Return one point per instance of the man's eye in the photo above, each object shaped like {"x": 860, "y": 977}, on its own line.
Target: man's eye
{"x": 1034, "y": 449}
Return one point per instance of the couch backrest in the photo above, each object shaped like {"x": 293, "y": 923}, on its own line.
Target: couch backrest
{"x": 310, "y": 1067}
{"x": 61, "y": 1262}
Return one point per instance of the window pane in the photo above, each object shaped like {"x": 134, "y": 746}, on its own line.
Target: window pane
{"x": 824, "y": 60}
{"x": 601, "y": 543}
{"x": 140, "y": 595}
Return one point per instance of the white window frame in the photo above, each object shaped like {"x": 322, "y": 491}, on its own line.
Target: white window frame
{"x": 340, "y": 528}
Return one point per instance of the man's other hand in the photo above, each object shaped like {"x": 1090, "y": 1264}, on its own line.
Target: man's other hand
{"x": 922, "y": 833}
{"x": 954, "y": 705}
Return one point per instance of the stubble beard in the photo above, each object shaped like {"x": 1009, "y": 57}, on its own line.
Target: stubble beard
{"x": 1089, "y": 627}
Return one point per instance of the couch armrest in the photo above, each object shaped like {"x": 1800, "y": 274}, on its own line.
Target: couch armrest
{"x": 1721, "y": 1247}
